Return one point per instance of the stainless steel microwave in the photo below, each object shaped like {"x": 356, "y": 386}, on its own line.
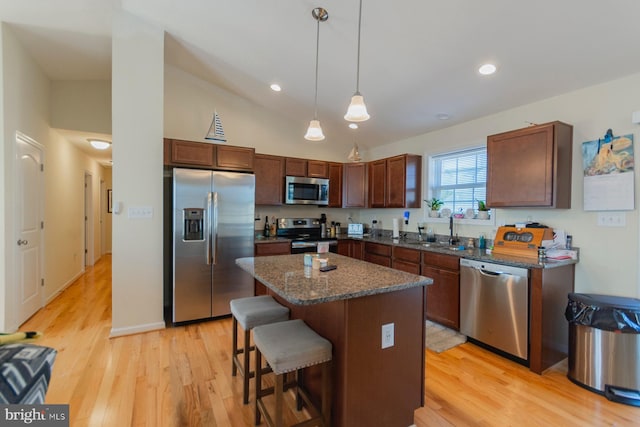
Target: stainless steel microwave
{"x": 306, "y": 191}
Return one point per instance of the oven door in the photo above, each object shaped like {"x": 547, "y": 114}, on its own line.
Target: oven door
{"x": 299, "y": 247}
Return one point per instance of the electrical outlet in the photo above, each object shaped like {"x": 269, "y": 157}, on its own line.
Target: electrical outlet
{"x": 388, "y": 335}
{"x": 612, "y": 219}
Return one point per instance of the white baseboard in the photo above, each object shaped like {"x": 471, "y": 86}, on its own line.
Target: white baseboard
{"x": 130, "y": 330}
{"x": 64, "y": 286}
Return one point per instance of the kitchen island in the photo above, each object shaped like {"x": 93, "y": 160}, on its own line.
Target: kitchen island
{"x": 348, "y": 306}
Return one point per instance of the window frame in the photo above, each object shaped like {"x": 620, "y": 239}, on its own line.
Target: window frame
{"x": 433, "y": 178}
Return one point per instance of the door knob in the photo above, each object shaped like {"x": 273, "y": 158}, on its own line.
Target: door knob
{"x": 22, "y": 242}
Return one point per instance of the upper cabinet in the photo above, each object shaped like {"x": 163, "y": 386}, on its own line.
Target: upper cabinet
{"x": 395, "y": 182}
{"x": 269, "y": 171}
{"x": 335, "y": 184}
{"x": 307, "y": 168}
{"x": 530, "y": 167}
{"x": 206, "y": 155}
{"x": 354, "y": 188}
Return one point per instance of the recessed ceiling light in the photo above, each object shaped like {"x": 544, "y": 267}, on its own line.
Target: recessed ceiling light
{"x": 275, "y": 87}
{"x": 353, "y": 125}
{"x": 99, "y": 144}
{"x": 443, "y": 116}
{"x": 487, "y": 69}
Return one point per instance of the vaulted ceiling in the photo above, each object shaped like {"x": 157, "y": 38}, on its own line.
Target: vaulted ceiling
{"x": 419, "y": 59}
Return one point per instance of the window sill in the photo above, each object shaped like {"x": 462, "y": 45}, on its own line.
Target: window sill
{"x": 468, "y": 221}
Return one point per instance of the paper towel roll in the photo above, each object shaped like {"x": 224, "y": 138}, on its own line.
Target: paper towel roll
{"x": 396, "y": 228}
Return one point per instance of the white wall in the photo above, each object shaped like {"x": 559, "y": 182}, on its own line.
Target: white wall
{"x": 81, "y": 105}
{"x": 27, "y": 90}
{"x": 138, "y": 76}
{"x": 609, "y": 256}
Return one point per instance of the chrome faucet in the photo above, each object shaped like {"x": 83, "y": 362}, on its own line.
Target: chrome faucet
{"x": 420, "y": 228}
{"x": 451, "y": 239}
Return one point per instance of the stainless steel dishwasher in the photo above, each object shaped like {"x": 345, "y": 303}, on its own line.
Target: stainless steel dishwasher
{"x": 494, "y": 305}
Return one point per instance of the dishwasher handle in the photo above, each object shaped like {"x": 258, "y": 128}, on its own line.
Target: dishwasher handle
{"x": 489, "y": 272}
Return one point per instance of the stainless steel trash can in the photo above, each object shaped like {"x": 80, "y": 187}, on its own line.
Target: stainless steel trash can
{"x": 604, "y": 345}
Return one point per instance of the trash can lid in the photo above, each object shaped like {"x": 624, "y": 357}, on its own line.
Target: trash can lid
{"x": 606, "y": 301}
{"x": 606, "y": 312}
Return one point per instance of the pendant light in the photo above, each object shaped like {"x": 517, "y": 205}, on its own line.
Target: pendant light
{"x": 314, "y": 132}
{"x": 357, "y": 111}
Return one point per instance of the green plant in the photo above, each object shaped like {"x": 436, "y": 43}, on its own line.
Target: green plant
{"x": 482, "y": 206}
{"x": 434, "y": 204}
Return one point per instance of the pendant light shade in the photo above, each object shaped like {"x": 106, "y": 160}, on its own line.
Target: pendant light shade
{"x": 357, "y": 111}
{"x": 314, "y": 132}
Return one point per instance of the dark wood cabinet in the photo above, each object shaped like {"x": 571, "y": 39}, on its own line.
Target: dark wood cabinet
{"x": 377, "y": 253}
{"x": 317, "y": 169}
{"x": 351, "y": 248}
{"x": 269, "y": 171}
{"x": 530, "y": 167}
{"x": 443, "y": 296}
{"x": 205, "y": 155}
{"x": 295, "y": 167}
{"x": 406, "y": 259}
{"x": 354, "y": 190}
{"x": 335, "y": 184}
{"x": 189, "y": 153}
{"x": 377, "y": 183}
{"x": 233, "y": 158}
{"x": 396, "y": 182}
{"x": 404, "y": 181}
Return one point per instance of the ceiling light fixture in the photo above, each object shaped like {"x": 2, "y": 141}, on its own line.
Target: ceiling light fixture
{"x": 353, "y": 125}
{"x": 357, "y": 111}
{"x": 275, "y": 87}
{"x": 314, "y": 132}
{"x": 487, "y": 69}
{"x": 99, "y": 144}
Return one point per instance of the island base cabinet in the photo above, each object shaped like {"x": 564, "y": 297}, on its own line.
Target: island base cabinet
{"x": 371, "y": 386}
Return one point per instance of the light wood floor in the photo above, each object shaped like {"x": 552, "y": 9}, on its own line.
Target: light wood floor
{"x": 181, "y": 376}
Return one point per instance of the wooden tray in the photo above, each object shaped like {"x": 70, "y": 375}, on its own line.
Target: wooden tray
{"x": 522, "y": 242}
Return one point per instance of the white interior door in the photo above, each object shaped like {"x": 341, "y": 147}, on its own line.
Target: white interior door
{"x": 29, "y": 223}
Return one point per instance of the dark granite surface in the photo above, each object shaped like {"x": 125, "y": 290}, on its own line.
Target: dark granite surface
{"x": 287, "y": 276}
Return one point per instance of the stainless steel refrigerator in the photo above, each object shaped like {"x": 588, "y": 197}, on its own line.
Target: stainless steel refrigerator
{"x": 213, "y": 224}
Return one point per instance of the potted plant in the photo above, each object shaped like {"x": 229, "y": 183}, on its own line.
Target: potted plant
{"x": 435, "y": 204}
{"x": 483, "y": 210}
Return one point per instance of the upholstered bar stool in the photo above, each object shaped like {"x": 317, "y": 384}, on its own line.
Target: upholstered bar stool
{"x": 251, "y": 312}
{"x": 287, "y": 347}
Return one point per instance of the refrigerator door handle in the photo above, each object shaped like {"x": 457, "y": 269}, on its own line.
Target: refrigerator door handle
{"x": 214, "y": 240}
{"x": 207, "y": 232}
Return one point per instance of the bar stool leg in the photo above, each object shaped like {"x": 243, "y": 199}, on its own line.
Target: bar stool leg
{"x": 247, "y": 368}
{"x": 234, "y": 352}
{"x": 326, "y": 394}
{"x": 279, "y": 390}
{"x": 258, "y": 381}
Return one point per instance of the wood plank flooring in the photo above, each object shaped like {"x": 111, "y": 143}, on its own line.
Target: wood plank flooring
{"x": 181, "y": 376}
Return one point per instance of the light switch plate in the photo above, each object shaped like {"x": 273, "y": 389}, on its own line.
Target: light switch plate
{"x": 140, "y": 212}
{"x": 612, "y": 219}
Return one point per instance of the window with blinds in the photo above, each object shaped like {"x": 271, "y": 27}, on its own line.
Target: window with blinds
{"x": 459, "y": 178}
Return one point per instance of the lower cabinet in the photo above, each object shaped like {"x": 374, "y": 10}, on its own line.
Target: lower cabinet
{"x": 351, "y": 248}
{"x": 377, "y": 253}
{"x": 443, "y": 296}
{"x": 406, "y": 259}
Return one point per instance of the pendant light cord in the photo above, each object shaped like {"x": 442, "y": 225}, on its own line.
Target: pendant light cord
{"x": 358, "y": 62}
{"x": 315, "y": 101}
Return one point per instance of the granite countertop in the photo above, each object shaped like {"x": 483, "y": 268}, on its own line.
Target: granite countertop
{"x": 287, "y": 277}
{"x": 473, "y": 253}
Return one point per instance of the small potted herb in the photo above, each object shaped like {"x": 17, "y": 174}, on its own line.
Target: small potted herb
{"x": 483, "y": 210}
{"x": 434, "y": 204}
